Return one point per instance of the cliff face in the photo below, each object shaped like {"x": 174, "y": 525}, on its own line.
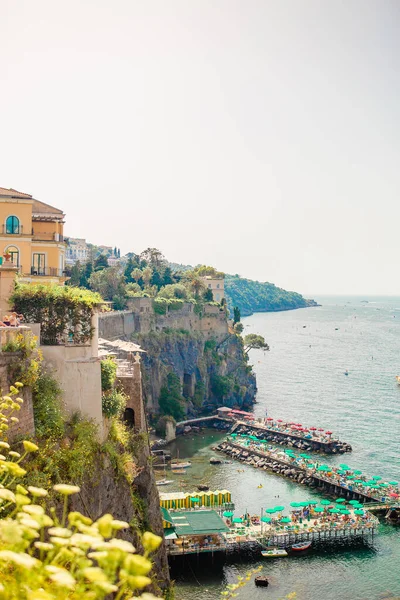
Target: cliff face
{"x": 213, "y": 372}
{"x": 137, "y": 503}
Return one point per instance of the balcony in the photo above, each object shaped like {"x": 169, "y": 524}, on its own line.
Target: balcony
{"x": 47, "y": 237}
{"x": 47, "y": 272}
{"x": 18, "y": 231}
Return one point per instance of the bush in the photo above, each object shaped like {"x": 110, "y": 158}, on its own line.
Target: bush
{"x": 61, "y": 310}
{"x": 171, "y": 401}
{"x": 108, "y": 373}
{"x": 162, "y": 424}
{"x": 113, "y": 403}
{"x": 47, "y": 407}
{"x": 221, "y": 386}
{"x": 160, "y": 306}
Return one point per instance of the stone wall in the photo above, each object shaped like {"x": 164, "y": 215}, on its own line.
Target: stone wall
{"x": 131, "y": 384}
{"x": 26, "y": 424}
{"x": 141, "y": 318}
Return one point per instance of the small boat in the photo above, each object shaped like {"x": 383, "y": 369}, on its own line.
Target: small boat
{"x": 179, "y": 471}
{"x": 273, "y": 553}
{"x": 346, "y": 372}
{"x": 261, "y": 581}
{"x": 215, "y": 461}
{"x": 164, "y": 482}
{"x": 259, "y": 486}
{"x": 301, "y": 546}
{"x": 203, "y": 488}
{"x": 398, "y": 379}
{"x": 181, "y": 465}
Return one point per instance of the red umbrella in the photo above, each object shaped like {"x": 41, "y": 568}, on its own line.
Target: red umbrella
{"x": 294, "y": 426}
{"x": 393, "y": 495}
{"x": 270, "y": 419}
{"x": 320, "y": 429}
{"x": 313, "y": 429}
{"x": 328, "y": 432}
{"x": 280, "y": 421}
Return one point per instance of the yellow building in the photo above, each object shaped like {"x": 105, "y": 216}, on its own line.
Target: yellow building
{"x": 216, "y": 285}
{"x": 32, "y": 234}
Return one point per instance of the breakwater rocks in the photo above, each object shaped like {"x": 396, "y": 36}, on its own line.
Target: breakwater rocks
{"x": 273, "y": 465}
{"x": 294, "y": 441}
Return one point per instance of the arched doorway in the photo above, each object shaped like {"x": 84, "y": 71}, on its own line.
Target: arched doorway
{"x": 129, "y": 417}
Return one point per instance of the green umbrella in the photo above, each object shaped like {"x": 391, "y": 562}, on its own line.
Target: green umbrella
{"x": 358, "y": 511}
{"x": 279, "y": 508}
{"x": 266, "y": 519}
{"x": 344, "y": 511}
{"x": 305, "y": 456}
{"x": 286, "y": 520}
{"x": 345, "y": 467}
{"x": 341, "y": 472}
{"x": 325, "y": 502}
{"x": 349, "y": 477}
{"x": 376, "y": 478}
{"x": 234, "y": 435}
{"x": 353, "y": 501}
{"x": 357, "y": 472}
{"x": 303, "y": 503}
{"x": 237, "y": 520}
{"x": 324, "y": 468}
{"x": 319, "y": 509}
{"x": 295, "y": 504}
{"x": 312, "y": 502}
{"x": 393, "y": 482}
{"x": 270, "y": 511}
{"x": 227, "y": 514}
{"x": 358, "y": 481}
{"x": 384, "y": 485}
{"x": 340, "y": 500}
{"x": 334, "y": 511}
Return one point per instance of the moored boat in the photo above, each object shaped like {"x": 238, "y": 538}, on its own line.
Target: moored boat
{"x": 301, "y": 546}
{"x": 181, "y": 465}
{"x": 164, "y": 481}
{"x": 273, "y": 553}
{"x": 261, "y": 581}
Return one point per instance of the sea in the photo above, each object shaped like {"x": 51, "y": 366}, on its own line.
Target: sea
{"x": 302, "y": 378}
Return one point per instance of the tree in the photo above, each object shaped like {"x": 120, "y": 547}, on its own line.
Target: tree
{"x": 110, "y": 283}
{"x": 208, "y": 295}
{"x": 100, "y": 263}
{"x": 238, "y": 328}
{"x": 204, "y": 270}
{"x": 136, "y": 275}
{"x": 236, "y": 315}
{"x": 171, "y": 401}
{"x": 153, "y": 257}
{"x": 146, "y": 275}
{"x": 167, "y": 276}
{"x": 85, "y": 275}
{"x": 195, "y": 283}
{"x": 175, "y": 290}
{"x": 75, "y": 276}
{"x": 254, "y": 341}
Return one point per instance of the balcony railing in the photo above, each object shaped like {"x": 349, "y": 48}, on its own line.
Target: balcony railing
{"x": 47, "y": 272}
{"x": 17, "y": 231}
{"x": 47, "y": 237}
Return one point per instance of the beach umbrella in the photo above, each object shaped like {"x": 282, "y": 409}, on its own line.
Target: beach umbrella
{"x": 266, "y": 519}
{"x": 384, "y": 485}
{"x": 376, "y": 478}
{"x": 341, "y": 472}
{"x": 319, "y": 509}
{"x": 349, "y": 477}
{"x": 286, "y": 520}
{"x": 270, "y": 419}
{"x": 393, "y": 495}
{"x": 340, "y": 500}
{"x": 303, "y": 503}
{"x": 328, "y": 432}
{"x": 279, "y": 508}
{"x": 358, "y": 481}
{"x": 323, "y": 468}
{"x": 357, "y": 472}
{"x": 305, "y": 456}
{"x": 344, "y": 467}
{"x": 313, "y": 429}
{"x": 320, "y": 429}
{"x": 359, "y": 512}
{"x": 344, "y": 511}
{"x": 295, "y": 504}
{"x": 353, "y": 502}
{"x": 334, "y": 511}
{"x": 325, "y": 502}
{"x": 228, "y": 514}
{"x": 270, "y": 511}
{"x": 312, "y": 502}
{"x": 237, "y": 520}
{"x": 279, "y": 420}
{"x": 234, "y": 435}
{"x": 393, "y": 482}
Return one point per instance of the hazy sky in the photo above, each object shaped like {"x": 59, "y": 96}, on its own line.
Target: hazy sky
{"x": 260, "y": 136}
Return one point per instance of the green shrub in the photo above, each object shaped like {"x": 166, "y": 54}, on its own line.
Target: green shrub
{"x": 199, "y": 394}
{"x": 160, "y": 306}
{"x": 171, "y": 401}
{"x": 113, "y": 403}
{"x": 47, "y": 407}
{"x": 108, "y": 373}
{"x": 221, "y": 386}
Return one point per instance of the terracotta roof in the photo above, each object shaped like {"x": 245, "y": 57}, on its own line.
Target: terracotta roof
{"x": 43, "y": 208}
{"x": 14, "y": 193}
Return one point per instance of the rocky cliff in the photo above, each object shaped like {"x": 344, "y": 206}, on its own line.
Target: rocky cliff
{"x": 213, "y": 372}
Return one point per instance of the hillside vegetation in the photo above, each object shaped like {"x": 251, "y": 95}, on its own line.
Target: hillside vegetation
{"x": 255, "y": 296}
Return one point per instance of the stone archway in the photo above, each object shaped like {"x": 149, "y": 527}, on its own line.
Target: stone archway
{"x": 129, "y": 417}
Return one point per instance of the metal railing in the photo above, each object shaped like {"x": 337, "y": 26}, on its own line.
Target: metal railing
{"x": 17, "y": 231}
{"x": 47, "y": 272}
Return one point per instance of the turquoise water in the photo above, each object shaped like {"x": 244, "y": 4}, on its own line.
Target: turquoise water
{"x": 302, "y": 379}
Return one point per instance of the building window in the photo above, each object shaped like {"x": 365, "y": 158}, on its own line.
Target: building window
{"x": 12, "y": 225}
{"x": 209, "y": 286}
{"x": 14, "y": 252}
{"x": 217, "y": 286}
{"x": 217, "y": 297}
{"x": 38, "y": 266}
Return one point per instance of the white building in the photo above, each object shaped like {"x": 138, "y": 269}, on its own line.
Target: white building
{"x": 216, "y": 285}
{"x": 77, "y": 250}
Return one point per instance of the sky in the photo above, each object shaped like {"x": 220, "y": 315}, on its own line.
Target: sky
{"x": 258, "y": 136}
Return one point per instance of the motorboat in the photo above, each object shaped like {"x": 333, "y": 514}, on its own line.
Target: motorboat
{"x": 301, "y": 546}
{"x": 164, "y": 481}
{"x": 179, "y": 471}
{"x": 261, "y": 581}
{"x": 273, "y": 553}
{"x": 181, "y": 465}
